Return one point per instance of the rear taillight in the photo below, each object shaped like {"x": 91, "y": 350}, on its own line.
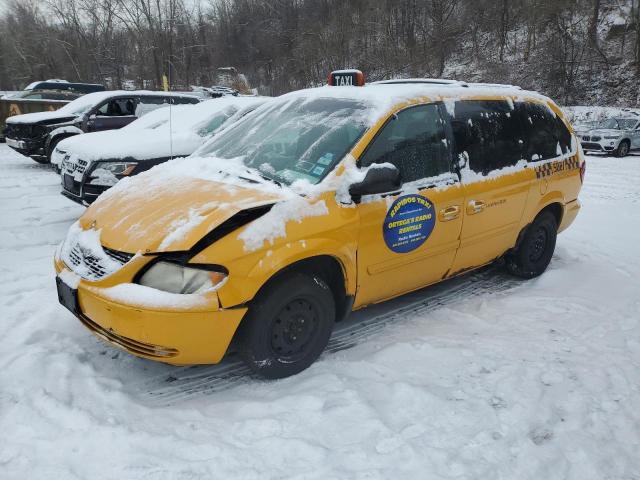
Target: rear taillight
{"x": 583, "y": 169}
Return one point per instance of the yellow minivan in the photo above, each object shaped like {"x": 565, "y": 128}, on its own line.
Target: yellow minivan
{"x": 319, "y": 203}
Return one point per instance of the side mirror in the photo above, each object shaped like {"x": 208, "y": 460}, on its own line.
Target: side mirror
{"x": 379, "y": 179}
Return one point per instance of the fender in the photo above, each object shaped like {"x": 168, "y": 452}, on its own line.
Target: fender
{"x": 240, "y": 291}
{"x": 68, "y": 131}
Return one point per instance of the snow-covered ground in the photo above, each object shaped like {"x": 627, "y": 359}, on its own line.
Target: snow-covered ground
{"x": 481, "y": 377}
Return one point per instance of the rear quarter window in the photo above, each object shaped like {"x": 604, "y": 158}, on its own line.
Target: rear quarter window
{"x": 547, "y": 135}
{"x": 488, "y": 133}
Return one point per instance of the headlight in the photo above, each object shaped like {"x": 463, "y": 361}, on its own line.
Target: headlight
{"x": 108, "y": 173}
{"x": 121, "y": 169}
{"x": 611, "y": 137}
{"x": 170, "y": 277}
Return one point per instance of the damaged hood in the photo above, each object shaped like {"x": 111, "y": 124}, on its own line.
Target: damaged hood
{"x": 169, "y": 215}
{"x": 42, "y": 118}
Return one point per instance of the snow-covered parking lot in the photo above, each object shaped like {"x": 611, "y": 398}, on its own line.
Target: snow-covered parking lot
{"x": 481, "y": 377}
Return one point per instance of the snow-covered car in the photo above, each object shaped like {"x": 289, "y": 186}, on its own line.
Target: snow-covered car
{"x": 320, "y": 202}
{"x": 36, "y": 135}
{"x": 614, "y": 135}
{"x": 94, "y": 162}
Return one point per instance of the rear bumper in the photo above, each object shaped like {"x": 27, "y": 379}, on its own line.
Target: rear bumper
{"x": 174, "y": 336}
{"x": 571, "y": 210}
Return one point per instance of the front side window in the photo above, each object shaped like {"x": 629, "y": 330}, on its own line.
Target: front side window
{"x": 117, "y": 107}
{"x": 293, "y": 139}
{"x": 414, "y": 141}
{"x": 488, "y": 133}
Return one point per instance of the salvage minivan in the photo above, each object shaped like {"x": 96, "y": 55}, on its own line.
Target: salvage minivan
{"x": 319, "y": 203}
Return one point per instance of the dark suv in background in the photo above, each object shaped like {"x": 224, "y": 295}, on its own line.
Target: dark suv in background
{"x": 37, "y": 134}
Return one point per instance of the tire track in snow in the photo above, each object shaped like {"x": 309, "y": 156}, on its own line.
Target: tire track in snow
{"x": 188, "y": 382}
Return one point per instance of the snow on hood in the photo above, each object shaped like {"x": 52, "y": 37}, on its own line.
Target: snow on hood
{"x": 603, "y": 131}
{"x": 38, "y": 117}
{"x": 154, "y": 136}
{"x": 174, "y": 205}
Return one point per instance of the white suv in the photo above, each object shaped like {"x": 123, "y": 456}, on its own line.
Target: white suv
{"x": 616, "y": 135}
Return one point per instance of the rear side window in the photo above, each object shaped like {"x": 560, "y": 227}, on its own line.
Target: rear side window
{"x": 489, "y": 133}
{"x": 547, "y": 135}
{"x": 415, "y": 142}
{"x": 184, "y": 100}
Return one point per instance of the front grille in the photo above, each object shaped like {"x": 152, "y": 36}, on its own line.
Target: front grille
{"x": 24, "y": 131}
{"x": 586, "y": 138}
{"x": 70, "y": 184}
{"x": 133, "y": 346}
{"x": 120, "y": 257}
{"x": 91, "y": 267}
{"x": 591, "y": 146}
{"x": 596, "y": 139}
{"x": 71, "y": 168}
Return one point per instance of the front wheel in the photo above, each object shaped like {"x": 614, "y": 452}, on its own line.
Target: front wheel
{"x": 287, "y": 326}
{"x": 532, "y": 257}
{"x": 623, "y": 149}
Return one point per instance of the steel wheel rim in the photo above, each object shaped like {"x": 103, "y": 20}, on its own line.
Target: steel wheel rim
{"x": 293, "y": 328}
{"x": 538, "y": 245}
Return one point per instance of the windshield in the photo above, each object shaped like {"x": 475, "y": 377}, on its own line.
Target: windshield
{"x": 619, "y": 123}
{"x": 216, "y": 122}
{"x": 295, "y": 138}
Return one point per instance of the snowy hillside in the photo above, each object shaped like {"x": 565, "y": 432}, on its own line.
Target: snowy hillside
{"x": 482, "y": 377}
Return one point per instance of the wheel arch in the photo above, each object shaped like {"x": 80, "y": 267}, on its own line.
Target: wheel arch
{"x": 554, "y": 206}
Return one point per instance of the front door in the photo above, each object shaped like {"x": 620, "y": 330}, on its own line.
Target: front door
{"x": 113, "y": 114}
{"x": 635, "y": 137}
{"x": 408, "y": 239}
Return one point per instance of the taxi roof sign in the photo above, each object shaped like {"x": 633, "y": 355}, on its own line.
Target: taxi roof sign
{"x": 346, "y": 78}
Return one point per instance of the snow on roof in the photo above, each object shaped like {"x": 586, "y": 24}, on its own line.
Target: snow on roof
{"x": 381, "y": 97}
{"x": 154, "y": 136}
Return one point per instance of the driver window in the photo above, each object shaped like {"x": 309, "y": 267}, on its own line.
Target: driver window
{"x": 117, "y": 107}
{"x": 415, "y": 142}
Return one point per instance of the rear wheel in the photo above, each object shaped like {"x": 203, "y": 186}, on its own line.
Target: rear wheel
{"x": 287, "y": 326}
{"x": 623, "y": 149}
{"x": 532, "y": 257}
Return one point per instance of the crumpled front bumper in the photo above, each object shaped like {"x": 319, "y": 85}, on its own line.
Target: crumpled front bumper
{"x": 176, "y": 335}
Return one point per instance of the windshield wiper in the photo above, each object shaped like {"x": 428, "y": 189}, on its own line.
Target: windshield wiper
{"x": 270, "y": 179}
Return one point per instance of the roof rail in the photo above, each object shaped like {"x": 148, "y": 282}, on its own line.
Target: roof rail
{"x": 443, "y": 81}
{"x": 435, "y": 81}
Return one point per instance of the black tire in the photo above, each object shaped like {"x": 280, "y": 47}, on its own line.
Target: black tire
{"x": 52, "y": 146}
{"x": 288, "y": 326}
{"x": 623, "y": 149}
{"x": 532, "y": 257}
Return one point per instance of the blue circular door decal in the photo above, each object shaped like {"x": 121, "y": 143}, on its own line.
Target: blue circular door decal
{"x": 409, "y": 222}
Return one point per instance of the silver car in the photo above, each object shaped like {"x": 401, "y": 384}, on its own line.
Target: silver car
{"x": 614, "y": 135}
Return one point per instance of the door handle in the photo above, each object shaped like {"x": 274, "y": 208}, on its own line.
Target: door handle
{"x": 449, "y": 213}
{"x": 475, "y": 206}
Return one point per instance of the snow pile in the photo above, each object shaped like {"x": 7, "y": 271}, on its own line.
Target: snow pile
{"x": 273, "y": 224}
{"x": 582, "y": 114}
